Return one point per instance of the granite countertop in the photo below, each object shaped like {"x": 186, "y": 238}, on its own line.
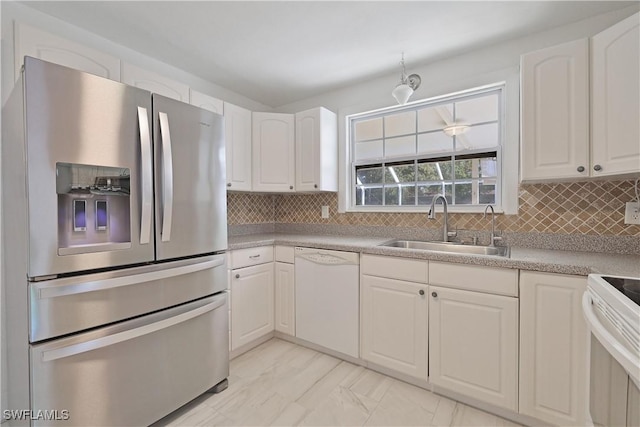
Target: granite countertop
{"x": 545, "y": 260}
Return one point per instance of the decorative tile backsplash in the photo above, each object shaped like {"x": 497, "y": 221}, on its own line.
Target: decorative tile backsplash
{"x": 589, "y": 208}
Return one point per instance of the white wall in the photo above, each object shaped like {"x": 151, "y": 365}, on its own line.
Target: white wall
{"x": 456, "y": 73}
{"x": 12, "y": 11}
{"x": 497, "y": 63}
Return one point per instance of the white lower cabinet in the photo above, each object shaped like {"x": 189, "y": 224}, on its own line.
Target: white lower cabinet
{"x": 394, "y": 324}
{"x": 553, "y": 348}
{"x": 251, "y": 303}
{"x": 473, "y": 345}
{"x": 285, "y": 314}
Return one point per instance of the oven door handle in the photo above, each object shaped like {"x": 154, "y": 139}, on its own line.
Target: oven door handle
{"x": 613, "y": 346}
{"x": 83, "y": 347}
{"x": 52, "y": 290}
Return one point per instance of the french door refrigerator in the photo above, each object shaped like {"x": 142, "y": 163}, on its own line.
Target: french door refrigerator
{"x": 114, "y": 223}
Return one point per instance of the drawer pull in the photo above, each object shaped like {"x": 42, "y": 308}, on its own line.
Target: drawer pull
{"x": 254, "y": 256}
{"x": 237, "y": 276}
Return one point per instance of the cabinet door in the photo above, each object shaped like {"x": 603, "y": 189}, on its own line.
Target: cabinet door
{"x": 394, "y": 324}
{"x": 615, "y": 101}
{"x": 39, "y": 44}
{"x": 273, "y": 152}
{"x": 207, "y": 102}
{"x": 251, "y": 303}
{"x": 553, "y": 347}
{"x": 473, "y": 345}
{"x": 285, "y": 317}
{"x": 316, "y": 150}
{"x": 237, "y": 128}
{"x": 555, "y": 112}
{"x": 153, "y": 82}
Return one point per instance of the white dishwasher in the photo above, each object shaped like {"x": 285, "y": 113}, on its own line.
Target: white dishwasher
{"x": 327, "y": 298}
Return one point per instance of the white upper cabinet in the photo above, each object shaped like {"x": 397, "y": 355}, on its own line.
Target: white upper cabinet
{"x": 572, "y": 129}
{"x": 39, "y": 44}
{"x": 555, "y": 112}
{"x": 153, "y": 82}
{"x": 237, "y": 135}
{"x": 615, "y": 99}
{"x": 316, "y": 150}
{"x": 273, "y": 152}
{"x": 206, "y": 102}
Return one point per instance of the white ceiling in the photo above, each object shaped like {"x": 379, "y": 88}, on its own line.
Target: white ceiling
{"x": 278, "y": 52}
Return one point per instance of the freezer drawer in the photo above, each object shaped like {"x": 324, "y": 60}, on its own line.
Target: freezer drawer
{"x": 63, "y": 306}
{"x": 134, "y": 372}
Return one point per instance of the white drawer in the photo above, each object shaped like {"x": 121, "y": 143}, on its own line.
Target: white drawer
{"x": 251, "y": 256}
{"x": 490, "y": 280}
{"x": 285, "y": 254}
{"x": 412, "y": 270}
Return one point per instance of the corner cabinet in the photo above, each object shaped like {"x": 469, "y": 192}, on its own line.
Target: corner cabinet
{"x": 273, "y": 152}
{"x": 615, "y": 98}
{"x": 316, "y": 150}
{"x": 555, "y": 112}
{"x": 237, "y": 133}
{"x": 393, "y": 331}
{"x": 553, "y": 348}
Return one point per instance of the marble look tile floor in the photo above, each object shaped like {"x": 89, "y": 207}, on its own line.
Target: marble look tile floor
{"x": 283, "y": 384}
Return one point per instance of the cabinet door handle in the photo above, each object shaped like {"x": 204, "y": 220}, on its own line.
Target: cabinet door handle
{"x": 580, "y": 169}
{"x": 315, "y": 185}
{"x": 291, "y": 187}
{"x": 421, "y": 291}
{"x": 434, "y": 294}
{"x": 597, "y": 168}
{"x": 229, "y": 184}
{"x": 237, "y": 276}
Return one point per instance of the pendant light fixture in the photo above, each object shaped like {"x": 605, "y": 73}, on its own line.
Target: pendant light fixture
{"x": 407, "y": 85}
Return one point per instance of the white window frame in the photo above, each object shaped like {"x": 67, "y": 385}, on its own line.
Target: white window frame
{"x": 508, "y": 164}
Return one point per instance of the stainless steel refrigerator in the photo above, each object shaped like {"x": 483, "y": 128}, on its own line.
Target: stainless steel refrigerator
{"x": 114, "y": 224}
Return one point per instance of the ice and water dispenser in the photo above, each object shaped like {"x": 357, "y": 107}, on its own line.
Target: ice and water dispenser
{"x": 93, "y": 208}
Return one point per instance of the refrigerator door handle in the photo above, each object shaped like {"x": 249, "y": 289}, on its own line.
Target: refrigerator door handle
{"x": 167, "y": 177}
{"x": 52, "y": 290}
{"x": 83, "y": 347}
{"x": 147, "y": 176}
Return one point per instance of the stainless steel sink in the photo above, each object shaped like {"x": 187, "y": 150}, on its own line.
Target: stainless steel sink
{"x": 450, "y": 247}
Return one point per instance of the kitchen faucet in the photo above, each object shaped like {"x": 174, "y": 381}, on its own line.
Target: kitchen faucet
{"x": 432, "y": 215}
{"x": 493, "y": 237}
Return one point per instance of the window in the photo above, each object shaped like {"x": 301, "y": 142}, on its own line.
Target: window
{"x": 404, "y": 156}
